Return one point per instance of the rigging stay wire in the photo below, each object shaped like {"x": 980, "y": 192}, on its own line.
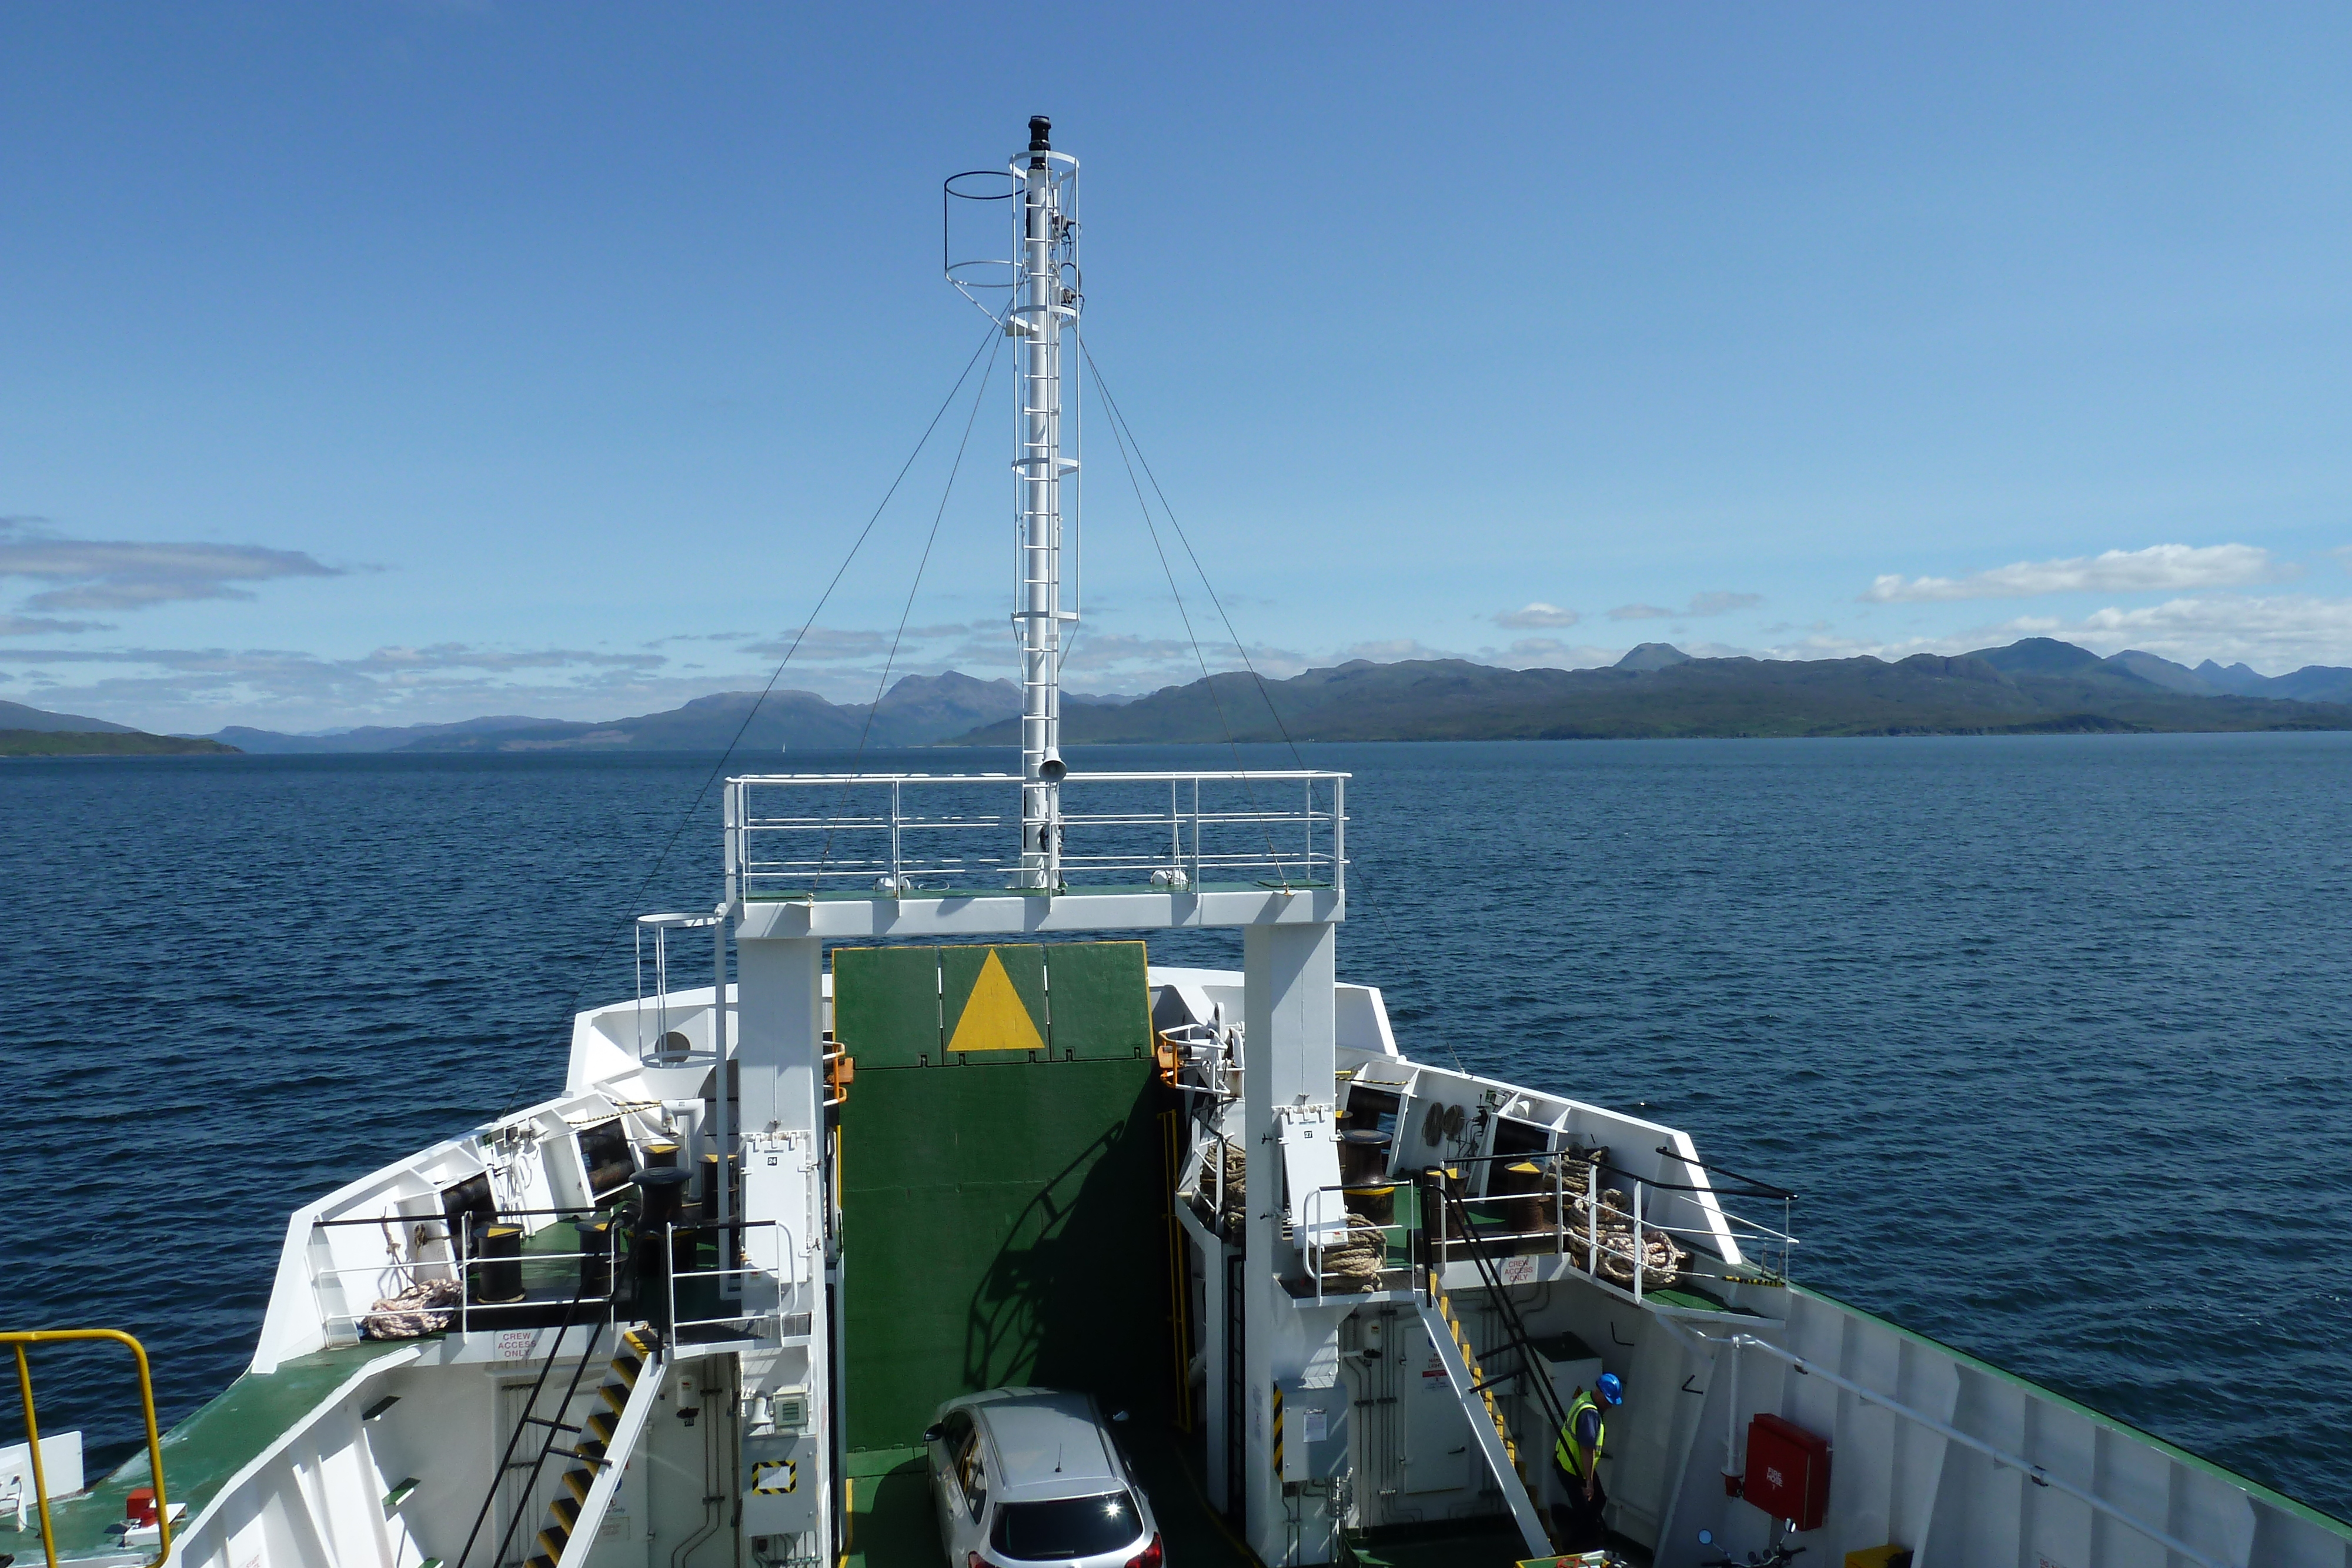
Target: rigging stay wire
{"x": 992, "y": 340}
{"x": 1184, "y": 614}
{"x": 908, "y": 609}
{"x": 1119, "y": 422}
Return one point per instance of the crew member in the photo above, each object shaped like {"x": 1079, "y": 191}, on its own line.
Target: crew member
{"x": 1577, "y": 1458}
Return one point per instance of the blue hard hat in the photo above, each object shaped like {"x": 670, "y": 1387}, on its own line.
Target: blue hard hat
{"x": 1611, "y": 1391}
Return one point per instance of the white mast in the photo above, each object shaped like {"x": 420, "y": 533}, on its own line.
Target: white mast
{"x": 1045, "y": 300}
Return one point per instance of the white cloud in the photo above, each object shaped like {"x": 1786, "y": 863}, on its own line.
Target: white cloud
{"x": 2275, "y": 634}
{"x": 825, "y": 642}
{"x": 42, "y": 626}
{"x": 1716, "y": 604}
{"x": 1549, "y": 652}
{"x": 119, "y": 574}
{"x": 1392, "y": 650}
{"x": 2157, "y": 568}
{"x": 201, "y": 689}
{"x": 463, "y": 656}
{"x": 1538, "y": 613}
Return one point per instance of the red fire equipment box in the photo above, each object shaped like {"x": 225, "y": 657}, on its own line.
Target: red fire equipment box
{"x": 1788, "y": 1472}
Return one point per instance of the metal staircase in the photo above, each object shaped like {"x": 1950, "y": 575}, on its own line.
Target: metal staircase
{"x": 1532, "y": 1381}
{"x": 1486, "y": 1423}
{"x": 601, "y": 1445}
{"x": 631, "y": 1386}
{"x": 1468, "y": 1376}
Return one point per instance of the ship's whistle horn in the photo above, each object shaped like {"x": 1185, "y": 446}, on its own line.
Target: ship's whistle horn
{"x": 1051, "y": 769}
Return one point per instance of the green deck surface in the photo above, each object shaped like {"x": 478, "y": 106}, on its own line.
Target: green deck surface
{"x": 1459, "y": 1543}
{"x": 203, "y": 1452}
{"x": 1691, "y": 1298}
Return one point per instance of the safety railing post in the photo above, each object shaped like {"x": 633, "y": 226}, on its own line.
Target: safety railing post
{"x": 1196, "y": 835}
{"x": 465, "y": 1284}
{"x": 1641, "y": 1245}
{"x": 1592, "y": 1219}
{"x": 1216, "y": 1188}
{"x": 670, "y": 1277}
{"x": 1559, "y": 1207}
{"x": 1339, "y": 836}
{"x": 898, "y": 876}
{"x": 1315, "y": 1240}
{"x": 33, "y": 1442}
{"x": 1437, "y": 1245}
{"x": 18, "y": 1341}
{"x": 730, "y": 812}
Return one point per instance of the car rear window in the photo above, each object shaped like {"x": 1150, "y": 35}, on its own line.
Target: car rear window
{"x": 1067, "y": 1527}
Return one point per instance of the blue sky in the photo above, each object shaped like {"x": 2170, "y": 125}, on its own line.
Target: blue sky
{"x": 390, "y": 362}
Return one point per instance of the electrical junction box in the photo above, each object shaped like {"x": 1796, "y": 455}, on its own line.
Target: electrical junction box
{"x": 1787, "y": 1472}
{"x": 1314, "y": 1432}
{"x": 781, "y": 1480}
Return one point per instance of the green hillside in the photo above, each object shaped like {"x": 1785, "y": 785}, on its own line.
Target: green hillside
{"x": 115, "y": 743}
{"x": 2035, "y": 686}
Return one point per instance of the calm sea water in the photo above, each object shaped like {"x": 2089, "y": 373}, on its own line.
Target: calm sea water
{"x": 2051, "y": 1034}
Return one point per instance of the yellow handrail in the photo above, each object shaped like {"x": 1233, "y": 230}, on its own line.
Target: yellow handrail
{"x": 18, "y": 1339}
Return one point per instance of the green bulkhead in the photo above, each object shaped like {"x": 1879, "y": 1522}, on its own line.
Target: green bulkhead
{"x": 1003, "y": 1179}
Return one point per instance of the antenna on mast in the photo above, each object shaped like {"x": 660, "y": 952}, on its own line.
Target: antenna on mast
{"x": 1041, "y": 273}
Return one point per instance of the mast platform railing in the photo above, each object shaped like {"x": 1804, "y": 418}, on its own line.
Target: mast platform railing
{"x": 916, "y": 834}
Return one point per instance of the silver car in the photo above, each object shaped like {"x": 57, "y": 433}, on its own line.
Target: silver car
{"x": 1022, "y": 1476}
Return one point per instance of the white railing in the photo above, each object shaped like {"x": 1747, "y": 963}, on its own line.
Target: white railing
{"x": 1323, "y": 1235}
{"x": 781, "y": 1272}
{"x": 457, "y": 1269}
{"x": 918, "y": 834}
{"x": 1610, "y": 1240}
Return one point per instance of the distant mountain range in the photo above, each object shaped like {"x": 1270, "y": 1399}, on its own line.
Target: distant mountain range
{"x": 115, "y": 742}
{"x": 2035, "y": 686}
{"x": 37, "y": 732}
{"x": 919, "y": 710}
{"x": 2038, "y": 685}
{"x": 17, "y": 716}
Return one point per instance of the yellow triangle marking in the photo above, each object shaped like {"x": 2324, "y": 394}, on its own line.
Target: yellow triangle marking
{"x": 993, "y": 1018}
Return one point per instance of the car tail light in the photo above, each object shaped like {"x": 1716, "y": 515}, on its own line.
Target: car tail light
{"x": 1148, "y": 1557}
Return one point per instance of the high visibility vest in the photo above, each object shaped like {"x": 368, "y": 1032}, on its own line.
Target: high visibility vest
{"x": 1564, "y": 1450}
